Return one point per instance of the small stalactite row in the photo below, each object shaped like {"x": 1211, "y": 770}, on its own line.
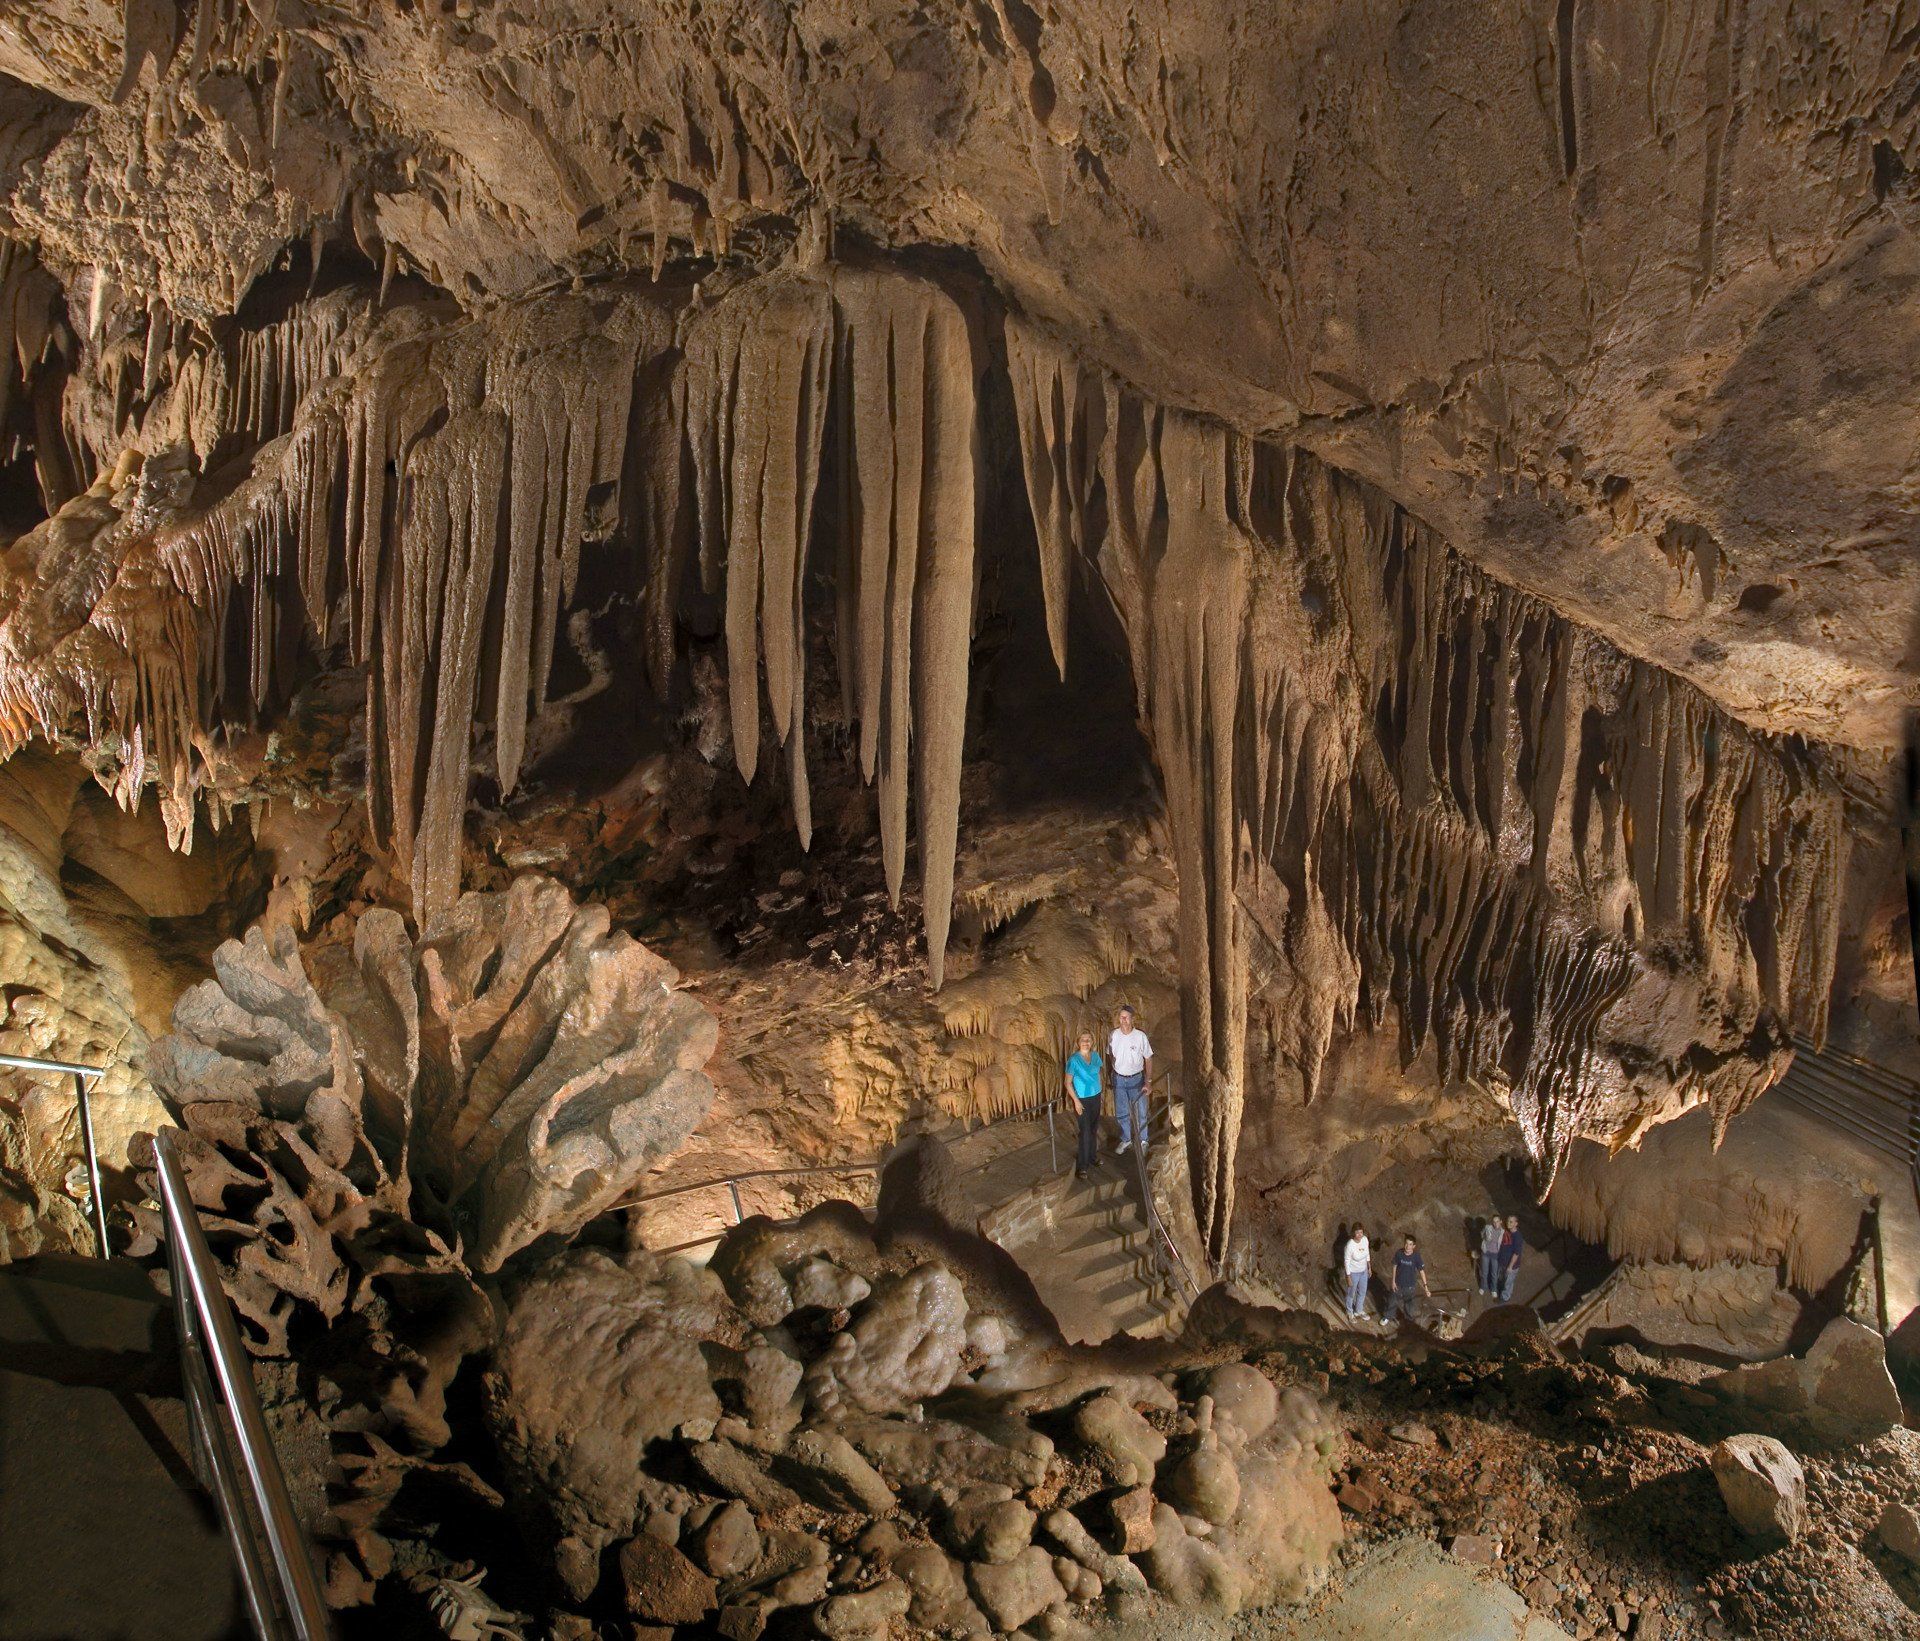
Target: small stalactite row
{"x": 418, "y": 483}
{"x": 1425, "y": 790}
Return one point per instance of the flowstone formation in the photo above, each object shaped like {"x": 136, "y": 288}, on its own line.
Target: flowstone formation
{"x": 381, "y": 1125}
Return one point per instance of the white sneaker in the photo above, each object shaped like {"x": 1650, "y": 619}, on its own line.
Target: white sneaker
{"x": 1122, "y": 1148}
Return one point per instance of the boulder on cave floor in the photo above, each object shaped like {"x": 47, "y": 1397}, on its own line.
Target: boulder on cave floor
{"x": 1840, "y": 1388}
{"x": 1764, "y": 1487}
{"x": 662, "y": 1585}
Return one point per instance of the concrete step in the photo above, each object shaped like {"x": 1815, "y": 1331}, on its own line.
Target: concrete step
{"x": 1125, "y": 1256}
{"x": 95, "y": 1466}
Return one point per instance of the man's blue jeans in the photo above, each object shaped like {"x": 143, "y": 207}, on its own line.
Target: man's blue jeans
{"x": 1356, "y": 1293}
{"x": 1130, "y": 1106}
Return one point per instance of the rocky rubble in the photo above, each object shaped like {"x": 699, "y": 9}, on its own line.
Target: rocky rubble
{"x": 831, "y": 1432}
{"x": 1588, "y": 1483}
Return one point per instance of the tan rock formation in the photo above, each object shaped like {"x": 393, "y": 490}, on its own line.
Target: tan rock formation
{"x": 436, "y": 1104}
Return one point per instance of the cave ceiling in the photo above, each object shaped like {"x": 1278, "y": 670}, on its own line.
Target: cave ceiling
{"x": 1621, "y": 299}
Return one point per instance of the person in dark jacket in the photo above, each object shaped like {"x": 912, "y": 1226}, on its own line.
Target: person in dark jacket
{"x": 1512, "y": 1246}
{"x": 1409, "y": 1281}
{"x": 1083, "y": 1087}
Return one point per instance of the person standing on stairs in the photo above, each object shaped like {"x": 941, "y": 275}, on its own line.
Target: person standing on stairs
{"x": 1512, "y": 1246}
{"x": 1357, "y": 1260}
{"x": 1132, "y": 1076}
{"x": 1083, "y": 1088}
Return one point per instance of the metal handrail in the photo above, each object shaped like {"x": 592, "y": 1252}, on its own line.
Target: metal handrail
{"x": 235, "y": 1455}
{"x": 81, "y": 1075}
{"x": 1159, "y": 1237}
{"x": 867, "y": 1167}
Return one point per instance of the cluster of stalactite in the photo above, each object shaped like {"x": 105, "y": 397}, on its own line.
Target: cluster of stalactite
{"x": 1423, "y": 792}
{"x": 1426, "y": 791}
{"x": 418, "y": 484}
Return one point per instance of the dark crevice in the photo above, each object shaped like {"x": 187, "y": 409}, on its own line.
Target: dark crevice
{"x": 1569, "y": 129}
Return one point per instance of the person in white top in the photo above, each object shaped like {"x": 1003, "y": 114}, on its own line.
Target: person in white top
{"x": 1132, "y": 1060}
{"x": 1359, "y": 1268}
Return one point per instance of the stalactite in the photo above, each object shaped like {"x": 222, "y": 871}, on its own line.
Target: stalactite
{"x": 430, "y": 478}
{"x": 920, "y": 501}
{"x": 1427, "y": 792}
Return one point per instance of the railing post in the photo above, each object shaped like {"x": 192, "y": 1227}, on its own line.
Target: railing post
{"x": 733, "y": 1190}
{"x": 1053, "y": 1145}
{"x": 93, "y": 1165}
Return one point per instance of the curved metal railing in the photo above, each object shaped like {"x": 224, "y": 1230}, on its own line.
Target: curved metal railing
{"x": 1164, "y": 1250}
{"x": 83, "y": 1105}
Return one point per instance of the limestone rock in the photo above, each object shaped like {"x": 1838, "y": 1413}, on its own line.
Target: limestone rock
{"x": 769, "y": 1386}
{"x": 1245, "y": 1403}
{"x": 662, "y": 1585}
{"x": 941, "y": 1601}
{"x": 821, "y": 1284}
{"x": 822, "y": 1466}
{"x": 729, "y": 1542}
{"x": 1840, "y": 1386}
{"x": 1899, "y": 1530}
{"x": 1203, "y": 1482}
{"x": 1764, "y": 1487}
{"x": 1067, "y": 1531}
{"x": 903, "y": 1347}
{"x": 1189, "y": 1571}
{"x": 757, "y": 1261}
{"x": 864, "y": 1615}
{"x": 935, "y": 1461}
{"x": 1014, "y": 1593}
{"x": 728, "y": 1469}
{"x": 1131, "y": 1514}
{"x": 985, "y": 1528}
{"x": 598, "y": 1361}
{"x": 1119, "y": 1439}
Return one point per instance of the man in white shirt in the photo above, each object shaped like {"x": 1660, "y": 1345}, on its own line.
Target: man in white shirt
{"x": 1132, "y": 1060}
{"x": 1359, "y": 1268}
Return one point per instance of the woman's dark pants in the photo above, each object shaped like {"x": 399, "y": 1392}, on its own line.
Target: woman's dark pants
{"x": 1089, "y": 1134}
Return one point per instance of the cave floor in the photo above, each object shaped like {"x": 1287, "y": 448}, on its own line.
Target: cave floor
{"x": 1404, "y": 1590}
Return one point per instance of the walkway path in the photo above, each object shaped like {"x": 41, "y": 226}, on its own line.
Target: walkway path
{"x": 105, "y": 1531}
{"x": 1085, "y": 1243}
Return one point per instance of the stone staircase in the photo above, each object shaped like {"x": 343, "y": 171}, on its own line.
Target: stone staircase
{"x": 1105, "y": 1258}
{"x": 1085, "y": 1243}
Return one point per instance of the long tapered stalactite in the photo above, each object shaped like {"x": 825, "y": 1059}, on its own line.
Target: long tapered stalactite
{"x": 1415, "y": 793}
{"x": 423, "y": 485}
{"x": 1427, "y": 792}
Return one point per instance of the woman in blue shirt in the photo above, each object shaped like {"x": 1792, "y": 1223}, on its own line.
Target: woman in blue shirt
{"x": 1083, "y": 1088}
